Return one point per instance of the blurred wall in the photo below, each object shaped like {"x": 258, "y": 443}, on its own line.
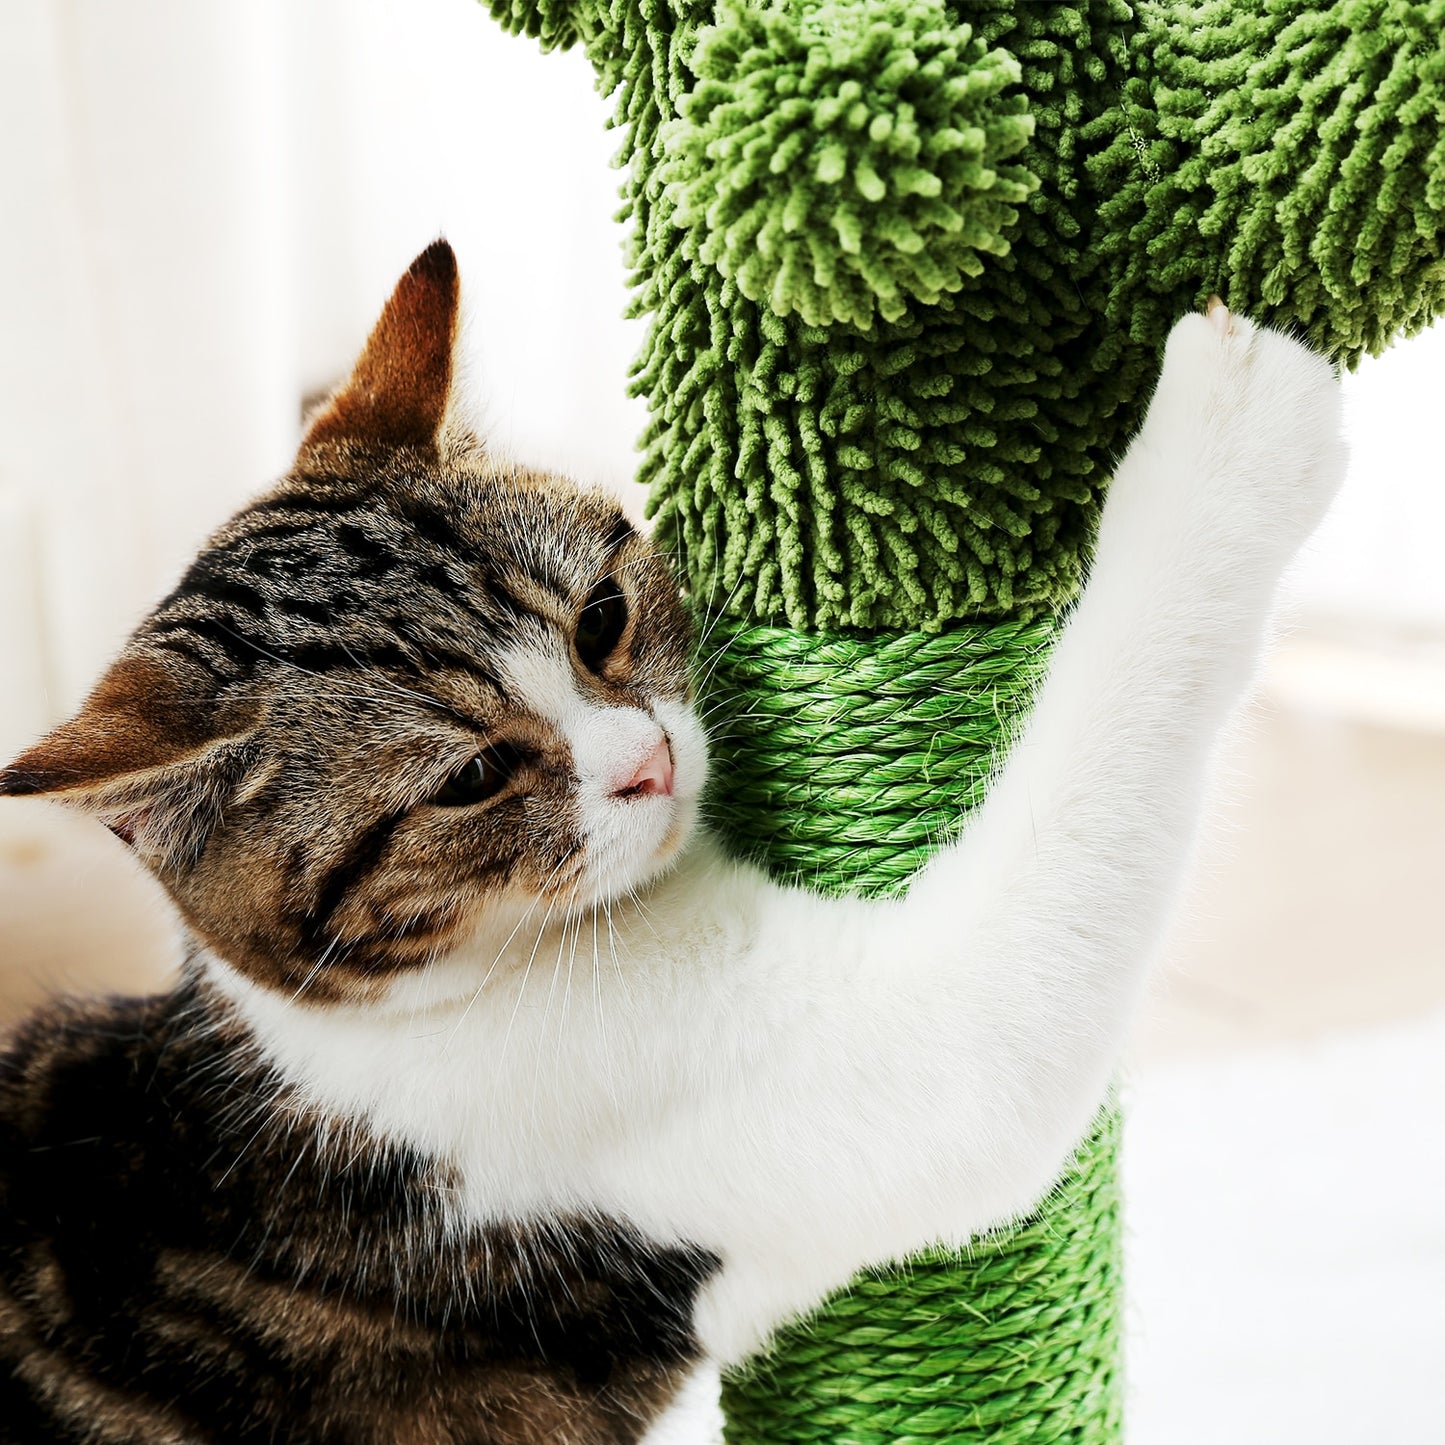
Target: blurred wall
{"x": 1377, "y": 559}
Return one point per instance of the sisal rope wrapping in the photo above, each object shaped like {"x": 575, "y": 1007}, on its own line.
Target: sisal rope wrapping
{"x": 842, "y": 763}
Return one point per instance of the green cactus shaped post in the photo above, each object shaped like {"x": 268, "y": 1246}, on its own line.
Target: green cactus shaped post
{"x": 909, "y": 267}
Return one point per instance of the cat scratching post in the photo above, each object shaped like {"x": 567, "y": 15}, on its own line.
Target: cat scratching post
{"x": 908, "y": 268}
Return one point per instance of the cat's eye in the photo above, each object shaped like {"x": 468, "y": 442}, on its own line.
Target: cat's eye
{"x": 601, "y": 624}
{"x": 475, "y": 781}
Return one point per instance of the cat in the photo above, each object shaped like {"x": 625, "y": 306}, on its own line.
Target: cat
{"x": 494, "y": 1097}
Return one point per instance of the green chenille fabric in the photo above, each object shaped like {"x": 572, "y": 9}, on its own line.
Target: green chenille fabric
{"x": 908, "y": 268}
{"x": 918, "y": 429}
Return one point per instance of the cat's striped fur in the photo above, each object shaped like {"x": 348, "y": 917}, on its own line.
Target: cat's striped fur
{"x": 188, "y": 1252}
{"x": 186, "y": 1256}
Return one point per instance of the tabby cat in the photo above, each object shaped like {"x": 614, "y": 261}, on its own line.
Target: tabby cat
{"x": 491, "y": 1100}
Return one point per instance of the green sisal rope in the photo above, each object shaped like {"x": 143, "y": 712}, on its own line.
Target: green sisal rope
{"x": 842, "y": 763}
{"x": 1017, "y": 1341}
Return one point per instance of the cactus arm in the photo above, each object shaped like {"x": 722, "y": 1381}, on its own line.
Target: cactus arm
{"x": 1293, "y": 158}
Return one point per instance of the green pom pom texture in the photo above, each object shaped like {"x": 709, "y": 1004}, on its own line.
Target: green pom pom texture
{"x": 840, "y": 158}
{"x": 1297, "y": 154}
{"x": 556, "y": 24}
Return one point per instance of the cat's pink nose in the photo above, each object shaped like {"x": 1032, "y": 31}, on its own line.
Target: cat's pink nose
{"x": 654, "y": 776}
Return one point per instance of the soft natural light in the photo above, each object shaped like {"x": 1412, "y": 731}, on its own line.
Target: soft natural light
{"x": 205, "y": 207}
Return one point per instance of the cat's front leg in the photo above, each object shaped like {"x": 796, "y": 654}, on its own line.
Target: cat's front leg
{"x": 1237, "y": 461}
{"x": 1063, "y": 882}
{"x": 950, "y": 1050}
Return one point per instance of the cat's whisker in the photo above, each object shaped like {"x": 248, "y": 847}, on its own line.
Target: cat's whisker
{"x": 643, "y": 911}
{"x": 526, "y": 974}
{"x": 547, "y": 1014}
{"x": 597, "y": 992}
{"x": 630, "y": 562}
{"x": 597, "y": 980}
{"x": 616, "y": 963}
{"x": 718, "y": 613}
{"x": 577, "y": 923}
{"x": 266, "y": 1119}
{"x": 567, "y": 993}
{"x": 501, "y": 952}
{"x": 729, "y": 706}
{"x": 715, "y": 573}
{"x": 316, "y": 968}
{"x": 702, "y": 672}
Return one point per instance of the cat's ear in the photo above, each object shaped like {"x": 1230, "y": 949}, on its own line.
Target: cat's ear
{"x": 397, "y": 394}
{"x": 147, "y": 753}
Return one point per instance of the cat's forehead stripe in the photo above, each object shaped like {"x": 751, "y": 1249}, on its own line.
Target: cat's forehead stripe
{"x": 622, "y": 531}
{"x": 247, "y": 601}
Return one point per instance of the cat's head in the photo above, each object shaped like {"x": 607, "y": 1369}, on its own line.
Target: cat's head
{"x": 408, "y": 694}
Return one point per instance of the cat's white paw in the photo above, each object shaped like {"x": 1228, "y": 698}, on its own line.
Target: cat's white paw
{"x": 1255, "y": 417}
{"x": 1240, "y": 454}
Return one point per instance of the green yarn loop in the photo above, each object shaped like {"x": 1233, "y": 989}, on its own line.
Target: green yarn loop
{"x": 842, "y": 762}
{"x": 836, "y": 160}
{"x": 556, "y": 24}
{"x": 929, "y": 460}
